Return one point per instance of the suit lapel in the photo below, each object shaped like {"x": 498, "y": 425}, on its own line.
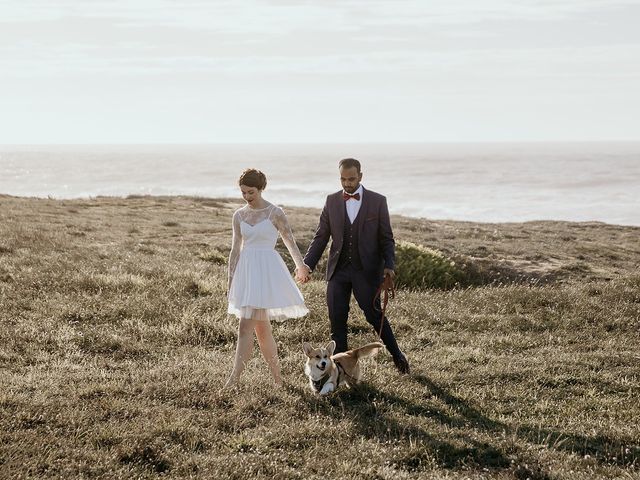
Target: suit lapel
{"x": 362, "y": 213}
{"x": 340, "y": 214}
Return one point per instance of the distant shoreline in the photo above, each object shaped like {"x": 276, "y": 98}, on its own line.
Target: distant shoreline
{"x": 546, "y": 251}
{"x": 319, "y": 208}
{"x": 490, "y": 182}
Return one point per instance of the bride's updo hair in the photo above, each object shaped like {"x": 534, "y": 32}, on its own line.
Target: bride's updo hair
{"x": 253, "y": 178}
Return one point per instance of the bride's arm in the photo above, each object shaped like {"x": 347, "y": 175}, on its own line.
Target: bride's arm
{"x": 236, "y": 245}
{"x": 280, "y": 221}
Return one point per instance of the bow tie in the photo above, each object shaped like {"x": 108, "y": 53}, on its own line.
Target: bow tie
{"x": 346, "y": 196}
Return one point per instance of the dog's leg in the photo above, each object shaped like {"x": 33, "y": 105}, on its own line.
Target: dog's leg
{"x": 327, "y": 388}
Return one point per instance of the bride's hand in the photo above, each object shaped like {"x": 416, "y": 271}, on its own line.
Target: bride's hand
{"x": 302, "y": 274}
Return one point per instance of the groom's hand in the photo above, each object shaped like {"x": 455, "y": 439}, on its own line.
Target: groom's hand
{"x": 302, "y": 274}
{"x": 389, "y": 272}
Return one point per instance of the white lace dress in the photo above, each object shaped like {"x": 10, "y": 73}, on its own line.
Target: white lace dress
{"x": 258, "y": 277}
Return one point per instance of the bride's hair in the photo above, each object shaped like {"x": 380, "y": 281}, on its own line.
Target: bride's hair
{"x": 253, "y": 178}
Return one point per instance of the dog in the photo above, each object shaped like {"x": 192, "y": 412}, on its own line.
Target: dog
{"x": 327, "y": 371}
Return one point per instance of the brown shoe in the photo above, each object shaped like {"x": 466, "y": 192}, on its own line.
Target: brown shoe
{"x": 402, "y": 364}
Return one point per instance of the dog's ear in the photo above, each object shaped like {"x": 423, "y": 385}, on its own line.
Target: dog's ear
{"x": 331, "y": 346}
{"x": 306, "y": 346}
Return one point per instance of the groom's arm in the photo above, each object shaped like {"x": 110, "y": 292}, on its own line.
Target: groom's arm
{"x": 320, "y": 239}
{"x": 385, "y": 237}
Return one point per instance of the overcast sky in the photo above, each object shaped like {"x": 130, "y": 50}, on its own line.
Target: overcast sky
{"x": 136, "y": 71}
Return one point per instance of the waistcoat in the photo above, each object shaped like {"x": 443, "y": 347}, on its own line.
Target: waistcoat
{"x": 349, "y": 252}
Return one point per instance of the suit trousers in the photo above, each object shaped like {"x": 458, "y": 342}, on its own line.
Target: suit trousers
{"x": 345, "y": 280}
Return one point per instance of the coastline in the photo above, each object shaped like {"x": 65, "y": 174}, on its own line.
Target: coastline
{"x": 533, "y": 251}
{"x": 490, "y": 182}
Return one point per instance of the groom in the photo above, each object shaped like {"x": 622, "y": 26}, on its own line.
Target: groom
{"x": 361, "y": 255}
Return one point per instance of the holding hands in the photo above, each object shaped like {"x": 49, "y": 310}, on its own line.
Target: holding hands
{"x": 303, "y": 274}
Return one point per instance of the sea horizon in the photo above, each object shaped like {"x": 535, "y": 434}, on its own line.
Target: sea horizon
{"x": 469, "y": 181}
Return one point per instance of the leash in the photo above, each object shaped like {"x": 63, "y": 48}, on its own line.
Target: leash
{"x": 386, "y": 290}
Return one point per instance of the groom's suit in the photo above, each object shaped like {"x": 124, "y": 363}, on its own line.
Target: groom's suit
{"x": 359, "y": 253}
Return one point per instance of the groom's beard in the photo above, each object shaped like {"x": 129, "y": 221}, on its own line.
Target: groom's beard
{"x": 351, "y": 189}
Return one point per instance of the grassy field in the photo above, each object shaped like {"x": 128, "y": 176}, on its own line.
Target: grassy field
{"x": 115, "y": 342}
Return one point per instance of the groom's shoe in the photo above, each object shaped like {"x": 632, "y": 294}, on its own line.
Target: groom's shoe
{"x": 401, "y": 362}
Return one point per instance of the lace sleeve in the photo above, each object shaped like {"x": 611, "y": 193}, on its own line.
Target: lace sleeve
{"x": 279, "y": 219}
{"x": 236, "y": 245}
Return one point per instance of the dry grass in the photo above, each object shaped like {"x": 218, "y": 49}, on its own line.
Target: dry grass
{"x": 114, "y": 344}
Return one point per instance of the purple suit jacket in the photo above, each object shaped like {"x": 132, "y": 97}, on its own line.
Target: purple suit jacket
{"x": 376, "y": 245}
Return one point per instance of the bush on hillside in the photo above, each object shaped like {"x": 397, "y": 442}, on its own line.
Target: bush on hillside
{"x": 214, "y": 256}
{"x": 419, "y": 267}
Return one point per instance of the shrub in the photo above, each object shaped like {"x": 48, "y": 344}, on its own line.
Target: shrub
{"x": 421, "y": 267}
{"x": 214, "y": 256}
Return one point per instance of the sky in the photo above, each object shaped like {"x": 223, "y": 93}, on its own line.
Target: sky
{"x": 257, "y": 71}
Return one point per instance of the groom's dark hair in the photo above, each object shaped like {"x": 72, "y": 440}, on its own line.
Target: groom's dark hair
{"x": 349, "y": 163}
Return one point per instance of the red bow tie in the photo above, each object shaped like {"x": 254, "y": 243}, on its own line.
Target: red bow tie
{"x": 347, "y": 196}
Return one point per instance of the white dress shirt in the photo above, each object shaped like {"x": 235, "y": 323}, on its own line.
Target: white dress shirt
{"x": 353, "y": 205}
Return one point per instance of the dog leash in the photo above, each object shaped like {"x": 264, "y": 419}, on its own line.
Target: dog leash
{"x": 386, "y": 290}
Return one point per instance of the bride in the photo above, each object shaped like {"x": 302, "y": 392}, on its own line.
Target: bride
{"x": 260, "y": 286}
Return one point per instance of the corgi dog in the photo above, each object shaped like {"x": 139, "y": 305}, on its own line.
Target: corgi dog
{"x": 327, "y": 371}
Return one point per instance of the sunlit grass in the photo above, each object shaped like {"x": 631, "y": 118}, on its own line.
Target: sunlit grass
{"x": 115, "y": 342}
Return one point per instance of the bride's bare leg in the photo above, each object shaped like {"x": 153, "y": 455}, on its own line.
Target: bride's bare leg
{"x": 244, "y": 349}
{"x": 268, "y": 345}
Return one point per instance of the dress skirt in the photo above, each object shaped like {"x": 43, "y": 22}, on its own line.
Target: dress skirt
{"x": 260, "y": 281}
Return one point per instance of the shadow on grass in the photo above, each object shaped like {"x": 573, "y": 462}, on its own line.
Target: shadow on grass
{"x": 365, "y": 407}
{"x": 605, "y": 450}
{"x": 374, "y": 414}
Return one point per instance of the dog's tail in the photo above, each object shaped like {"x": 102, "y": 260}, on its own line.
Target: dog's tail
{"x": 368, "y": 350}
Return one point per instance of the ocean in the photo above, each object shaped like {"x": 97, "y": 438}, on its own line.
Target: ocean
{"x": 499, "y": 182}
